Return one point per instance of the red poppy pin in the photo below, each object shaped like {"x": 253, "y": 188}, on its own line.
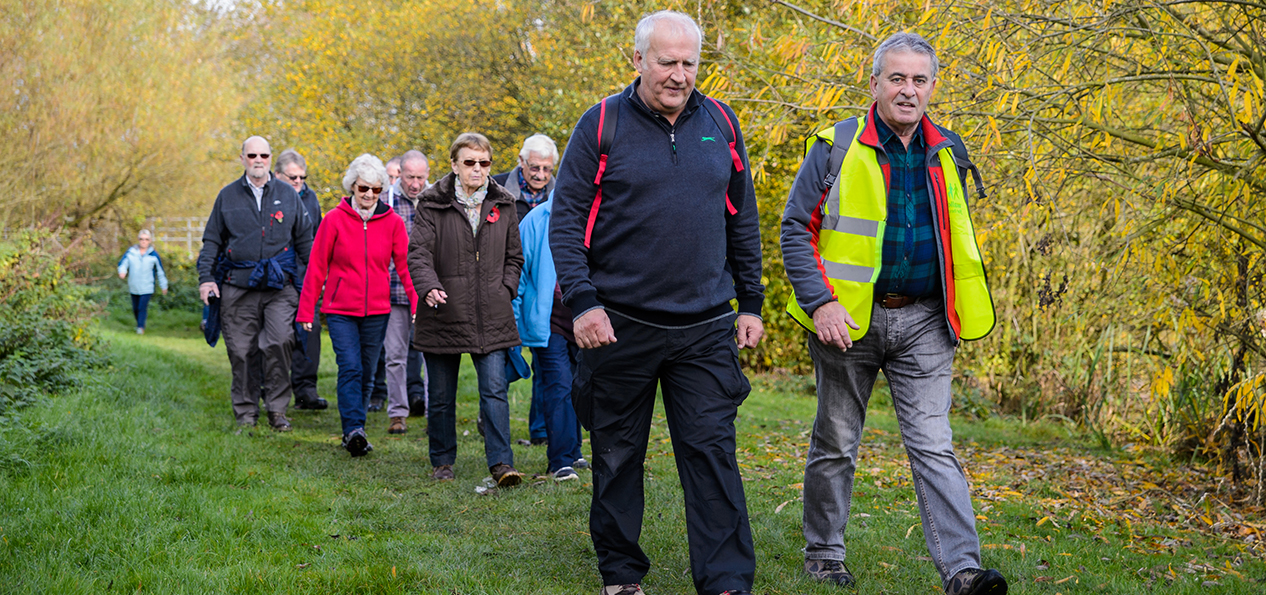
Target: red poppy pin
{"x": 494, "y": 215}
{"x": 277, "y": 216}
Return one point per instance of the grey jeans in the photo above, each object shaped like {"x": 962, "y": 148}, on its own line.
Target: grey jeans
{"x": 396, "y": 344}
{"x": 255, "y": 323}
{"x": 913, "y": 347}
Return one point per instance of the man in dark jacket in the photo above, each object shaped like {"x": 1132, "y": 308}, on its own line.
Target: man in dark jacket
{"x": 675, "y": 239}
{"x": 292, "y": 169}
{"x": 255, "y": 247}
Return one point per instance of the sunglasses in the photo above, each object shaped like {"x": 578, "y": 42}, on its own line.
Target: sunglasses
{"x": 260, "y": 155}
{"x": 295, "y": 178}
{"x": 369, "y": 190}
{"x": 471, "y": 163}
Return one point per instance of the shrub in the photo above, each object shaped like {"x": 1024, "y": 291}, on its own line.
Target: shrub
{"x": 45, "y": 321}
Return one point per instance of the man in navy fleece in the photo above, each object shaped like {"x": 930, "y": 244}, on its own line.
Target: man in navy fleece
{"x": 675, "y": 239}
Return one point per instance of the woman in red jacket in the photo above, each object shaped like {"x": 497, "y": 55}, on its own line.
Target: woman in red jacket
{"x": 354, "y": 246}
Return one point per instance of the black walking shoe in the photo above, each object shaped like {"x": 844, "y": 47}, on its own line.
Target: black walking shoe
{"x": 357, "y": 443}
{"x": 830, "y": 571}
{"x": 375, "y": 404}
{"x": 313, "y": 403}
{"x": 975, "y": 581}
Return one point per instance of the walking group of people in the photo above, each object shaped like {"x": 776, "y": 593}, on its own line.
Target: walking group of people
{"x": 620, "y": 275}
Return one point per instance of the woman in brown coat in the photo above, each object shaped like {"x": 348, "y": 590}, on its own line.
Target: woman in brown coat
{"x": 465, "y": 258}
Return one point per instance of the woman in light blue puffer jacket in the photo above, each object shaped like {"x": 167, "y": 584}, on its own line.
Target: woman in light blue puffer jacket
{"x": 145, "y": 266}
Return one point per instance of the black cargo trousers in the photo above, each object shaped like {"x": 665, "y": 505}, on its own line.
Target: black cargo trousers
{"x": 614, "y": 396}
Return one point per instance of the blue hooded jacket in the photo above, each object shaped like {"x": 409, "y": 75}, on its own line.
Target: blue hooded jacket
{"x": 142, "y": 270}
{"x": 535, "y": 303}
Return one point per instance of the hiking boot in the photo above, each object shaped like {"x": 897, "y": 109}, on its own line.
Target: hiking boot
{"x": 140, "y": 330}
{"x": 443, "y": 473}
{"x": 375, "y": 404}
{"x": 313, "y": 403}
{"x": 538, "y": 441}
{"x": 829, "y": 571}
{"x": 565, "y": 474}
{"x": 246, "y": 426}
{"x": 633, "y": 589}
{"x": 975, "y": 581}
{"x": 505, "y": 475}
{"x": 417, "y": 408}
{"x": 397, "y": 426}
{"x": 580, "y": 463}
{"x": 278, "y": 421}
{"x": 357, "y": 443}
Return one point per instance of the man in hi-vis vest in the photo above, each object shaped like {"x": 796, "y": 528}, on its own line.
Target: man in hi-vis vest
{"x": 879, "y": 248}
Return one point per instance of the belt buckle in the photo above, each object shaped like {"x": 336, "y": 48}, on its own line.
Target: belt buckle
{"x": 892, "y": 301}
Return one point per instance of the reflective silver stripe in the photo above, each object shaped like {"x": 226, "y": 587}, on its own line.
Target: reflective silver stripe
{"x": 853, "y": 225}
{"x": 848, "y": 272}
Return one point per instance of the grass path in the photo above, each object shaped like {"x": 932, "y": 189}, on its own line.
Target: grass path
{"x": 137, "y": 482}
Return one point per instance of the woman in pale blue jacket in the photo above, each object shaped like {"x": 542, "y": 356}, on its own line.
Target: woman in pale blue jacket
{"x": 144, "y": 266}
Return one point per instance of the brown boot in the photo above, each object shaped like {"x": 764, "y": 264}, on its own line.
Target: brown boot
{"x": 278, "y": 421}
{"x": 397, "y": 426}
{"x": 443, "y": 473}
{"x": 505, "y": 475}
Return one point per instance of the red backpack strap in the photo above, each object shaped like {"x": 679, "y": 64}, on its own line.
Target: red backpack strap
{"x": 607, "y": 119}
{"x": 718, "y": 116}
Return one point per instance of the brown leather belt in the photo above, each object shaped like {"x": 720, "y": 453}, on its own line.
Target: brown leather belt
{"x": 893, "y": 300}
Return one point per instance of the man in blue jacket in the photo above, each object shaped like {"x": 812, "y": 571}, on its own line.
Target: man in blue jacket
{"x": 292, "y": 169}
{"x": 649, "y": 272}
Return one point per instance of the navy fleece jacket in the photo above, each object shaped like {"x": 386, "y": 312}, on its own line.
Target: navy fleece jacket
{"x": 664, "y": 247}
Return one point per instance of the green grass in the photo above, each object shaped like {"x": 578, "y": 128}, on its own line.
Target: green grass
{"x": 137, "y": 482}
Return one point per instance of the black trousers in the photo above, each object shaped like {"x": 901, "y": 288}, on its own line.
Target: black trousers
{"x": 305, "y": 361}
{"x": 614, "y": 396}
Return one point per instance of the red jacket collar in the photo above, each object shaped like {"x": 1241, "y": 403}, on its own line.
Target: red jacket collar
{"x": 870, "y": 134}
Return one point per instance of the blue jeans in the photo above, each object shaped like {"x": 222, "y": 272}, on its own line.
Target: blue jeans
{"x": 552, "y": 384}
{"x": 140, "y": 308}
{"x": 441, "y": 412}
{"x": 913, "y": 347}
{"x": 357, "y": 341}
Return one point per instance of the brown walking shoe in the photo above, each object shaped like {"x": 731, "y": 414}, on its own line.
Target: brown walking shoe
{"x": 505, "y": 475}
{"x": 443, "y": 473}
{"x": 397, "y": 426}
{"x": 278, "y": 421}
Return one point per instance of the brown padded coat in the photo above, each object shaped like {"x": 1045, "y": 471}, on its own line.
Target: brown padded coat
{"x": 480, "y": 273}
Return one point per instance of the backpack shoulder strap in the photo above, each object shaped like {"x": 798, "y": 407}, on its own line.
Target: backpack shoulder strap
{"x": 723, "y": 122}
{"x": 845, "y": 130}
{"x": 608, "y": 118}
{"x": 964, "y": 163}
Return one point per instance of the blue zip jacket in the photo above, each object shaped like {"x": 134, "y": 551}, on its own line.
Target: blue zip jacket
{"x": 142, "y": 270}
{"x": 535, "y": 303}
{"x": 664, "y": 248}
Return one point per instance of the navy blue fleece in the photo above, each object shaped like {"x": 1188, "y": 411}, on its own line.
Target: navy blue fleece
{"x": 664, "y": 247}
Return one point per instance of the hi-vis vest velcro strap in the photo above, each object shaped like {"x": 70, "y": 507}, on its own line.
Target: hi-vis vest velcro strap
{"x": 609, "y": 116}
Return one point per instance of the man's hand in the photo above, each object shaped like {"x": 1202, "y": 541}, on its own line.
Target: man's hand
{"x": 123, "y": 275}
{"x": 208, "y": 289}
{"x": 164, "y": 292}
{"x": 307, "y": 326}
{"x": 593, "y": 329}
{"x": 750, "y": 331}
{"x": 831, "y": 319}
{"x": 435, "y": 297}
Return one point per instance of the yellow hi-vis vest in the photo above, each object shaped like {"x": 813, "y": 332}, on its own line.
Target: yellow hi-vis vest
{"x": 850, "y": 234}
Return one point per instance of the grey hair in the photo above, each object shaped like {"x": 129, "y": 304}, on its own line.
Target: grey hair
{"x": 393, "y": 161}
{"x": 541, "y": 145}
{"x": 144, "y": 233}
{"x": 288, "y": 157}
{"x": 904, "y": 42}
{"x": 367, "y": 168}
{"x": 646, "y": 26}
{"x": 413, "y": 155}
